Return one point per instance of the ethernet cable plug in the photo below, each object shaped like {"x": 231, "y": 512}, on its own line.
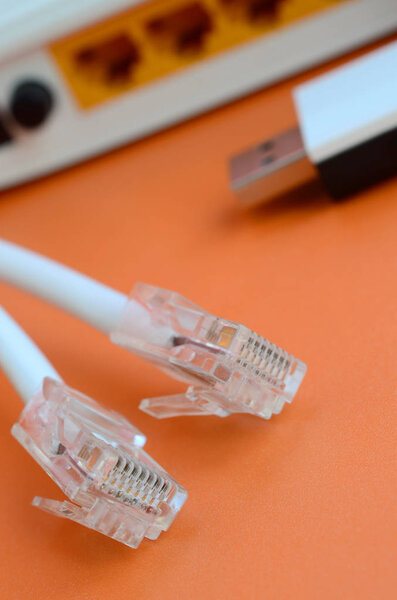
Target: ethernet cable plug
{"x": 94, "y": 455}
{"x": 347, "y": 133}
{"x": 228, "y": 367}
{"x": 96, "y": 458}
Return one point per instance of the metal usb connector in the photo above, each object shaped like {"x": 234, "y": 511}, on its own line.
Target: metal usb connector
{"x": 270, "y": 168}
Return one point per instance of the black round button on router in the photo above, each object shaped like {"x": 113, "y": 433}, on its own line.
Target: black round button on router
{"x": 31, "y": 103}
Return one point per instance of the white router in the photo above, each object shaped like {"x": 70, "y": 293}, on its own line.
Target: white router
{"x": 80, "y": 78}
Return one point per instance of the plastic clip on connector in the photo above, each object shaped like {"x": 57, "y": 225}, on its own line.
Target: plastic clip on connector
{"x": 230, "y": 368}
{"x": 93, "y": 454}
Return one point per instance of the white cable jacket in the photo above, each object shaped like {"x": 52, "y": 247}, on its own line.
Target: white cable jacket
{"x": 21, "y": 360}
{"x": 93, "y": 302}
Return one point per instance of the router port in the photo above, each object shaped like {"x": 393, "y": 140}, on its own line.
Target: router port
{"x": 254, "y": 10}
{"x": 111, "y": 61}
{"x": 183, "y": 30}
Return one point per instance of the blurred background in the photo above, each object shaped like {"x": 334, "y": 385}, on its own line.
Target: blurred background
{"x": 118, "y": 122}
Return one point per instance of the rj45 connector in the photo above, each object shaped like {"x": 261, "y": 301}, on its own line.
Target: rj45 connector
{"x": 228, "y": 367}
{"x": 95, "y": 456}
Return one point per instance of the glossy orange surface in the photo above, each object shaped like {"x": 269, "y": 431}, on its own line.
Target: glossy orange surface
{"x": 300, "y": 507}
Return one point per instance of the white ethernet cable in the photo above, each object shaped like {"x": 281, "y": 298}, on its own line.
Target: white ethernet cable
{"x": 93, "y": 454}
{"x": 228, "y": 367}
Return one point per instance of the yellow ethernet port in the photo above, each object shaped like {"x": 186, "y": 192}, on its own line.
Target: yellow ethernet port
{"x": 253, "y": 10}
{"x": 157, "y": 38}
{"x": 183, "y": 30}
{"x": 111, "y": 60}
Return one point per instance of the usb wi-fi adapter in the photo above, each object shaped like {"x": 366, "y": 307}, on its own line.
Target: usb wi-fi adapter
{"x": 347, "y": 133}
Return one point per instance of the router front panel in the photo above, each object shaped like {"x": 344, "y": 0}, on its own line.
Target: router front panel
{"x": 157, "y": 63}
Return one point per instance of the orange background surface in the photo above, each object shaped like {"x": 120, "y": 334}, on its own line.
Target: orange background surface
{"x": 300, "y": 507}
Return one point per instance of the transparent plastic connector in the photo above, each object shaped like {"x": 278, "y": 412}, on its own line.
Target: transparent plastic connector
{"x": 95, "y": 456}
{"x": 228, "y": 367}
